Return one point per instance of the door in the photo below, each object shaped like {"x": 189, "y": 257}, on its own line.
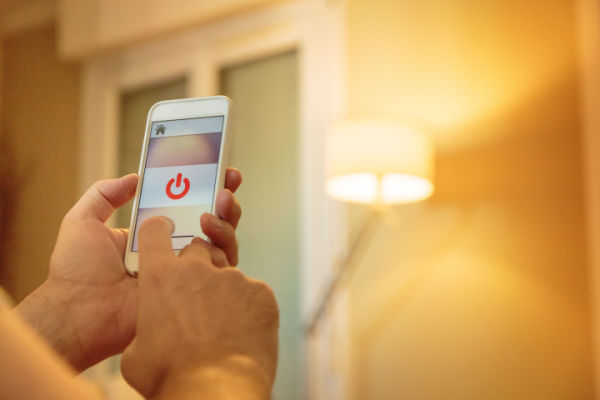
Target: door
{"x": 264, "y": 146}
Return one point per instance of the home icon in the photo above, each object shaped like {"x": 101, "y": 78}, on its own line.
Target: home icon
{"x": 160, "y": 130}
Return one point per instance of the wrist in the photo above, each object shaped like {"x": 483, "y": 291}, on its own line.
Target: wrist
{"x": 238, "y": 377}
{"x": 49, "y": 317}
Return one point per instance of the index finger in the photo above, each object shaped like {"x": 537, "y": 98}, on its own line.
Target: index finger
{"x": 155, "y": 241}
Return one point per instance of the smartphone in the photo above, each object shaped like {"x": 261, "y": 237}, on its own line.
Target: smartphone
{"x": 182, "y": 167}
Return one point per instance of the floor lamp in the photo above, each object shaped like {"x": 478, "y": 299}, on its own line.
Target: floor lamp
{"x": 378, "y": 162}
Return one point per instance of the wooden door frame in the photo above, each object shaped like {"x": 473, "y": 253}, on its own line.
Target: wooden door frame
{"x": 588, "y": 38}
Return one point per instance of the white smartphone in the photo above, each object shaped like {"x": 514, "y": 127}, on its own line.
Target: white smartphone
{"x": 182, "y": 167}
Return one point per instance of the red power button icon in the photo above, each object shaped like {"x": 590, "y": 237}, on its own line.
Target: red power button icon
{"x": 186, "y": 182}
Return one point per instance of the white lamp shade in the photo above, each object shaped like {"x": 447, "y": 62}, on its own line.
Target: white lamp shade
{"x": 378, "y": 161}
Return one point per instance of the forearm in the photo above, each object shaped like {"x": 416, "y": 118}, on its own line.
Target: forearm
{"x": 50, "y": 320}
{"x": 30, "y": 370}
{"x": 236, "y": 379}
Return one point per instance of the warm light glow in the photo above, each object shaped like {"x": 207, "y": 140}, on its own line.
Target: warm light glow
{"x": 378, "y": 161}
{"x": 401, "y": 188}
{"x": 359, "y": 188}
{"x": 367, "y": 188}
{"x": 451, "y": 73}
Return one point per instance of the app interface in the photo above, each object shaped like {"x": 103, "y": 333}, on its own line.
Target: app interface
{"x": 180, "y": 175}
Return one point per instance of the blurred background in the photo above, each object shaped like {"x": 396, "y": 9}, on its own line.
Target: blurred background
{"x": 487, "y": 289}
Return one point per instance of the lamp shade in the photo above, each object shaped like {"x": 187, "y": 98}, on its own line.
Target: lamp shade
{"x": 378, "y": 161}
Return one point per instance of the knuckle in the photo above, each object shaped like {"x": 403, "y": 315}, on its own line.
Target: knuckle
{"x": 218, "y": 257}
{"x": 184, "y": 250}
{"x": 153, "y": 271}
{"x": 265, "y": 297}
{"x": 218, "y": 251}
{"x": 99, "y": 183}
{"x": 264, "y": 291}
{"x": 222, "y": 229}
{"x": 199, "y": 262}
{"x": 235, "y": 276}
{"x": 196, "y": 258}
{"x": 98, "y": 186}
{"x": 128, "y": 361}
{"x": 135, "y": 372}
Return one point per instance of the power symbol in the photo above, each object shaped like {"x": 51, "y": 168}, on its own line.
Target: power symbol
{"x": 186, "y": 182}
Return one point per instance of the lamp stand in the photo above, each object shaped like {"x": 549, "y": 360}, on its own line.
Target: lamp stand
{"x": 345, "y": 265}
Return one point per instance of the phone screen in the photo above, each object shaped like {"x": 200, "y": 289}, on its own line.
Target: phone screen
{"x": 180, "y": 175}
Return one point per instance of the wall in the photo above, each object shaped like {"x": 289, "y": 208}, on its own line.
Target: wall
{"x": 40, "y": 103}
{"x": 482, "y": 291}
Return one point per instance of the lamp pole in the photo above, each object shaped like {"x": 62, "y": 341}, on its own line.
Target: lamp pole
{"x": 344, "y": 267}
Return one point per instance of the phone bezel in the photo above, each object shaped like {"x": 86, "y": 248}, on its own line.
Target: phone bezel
{"x": 170, "y": 110}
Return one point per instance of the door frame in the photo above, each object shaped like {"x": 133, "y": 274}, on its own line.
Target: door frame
{"x": 316, "y": 29}
{"x": 588, "y": 40}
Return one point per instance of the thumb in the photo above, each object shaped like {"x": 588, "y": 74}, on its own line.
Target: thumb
{"x": 100, "y": 200}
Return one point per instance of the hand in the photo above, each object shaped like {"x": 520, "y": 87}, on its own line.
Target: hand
{"x": 202, "y": 331}
{"x": 86, "y": 308}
